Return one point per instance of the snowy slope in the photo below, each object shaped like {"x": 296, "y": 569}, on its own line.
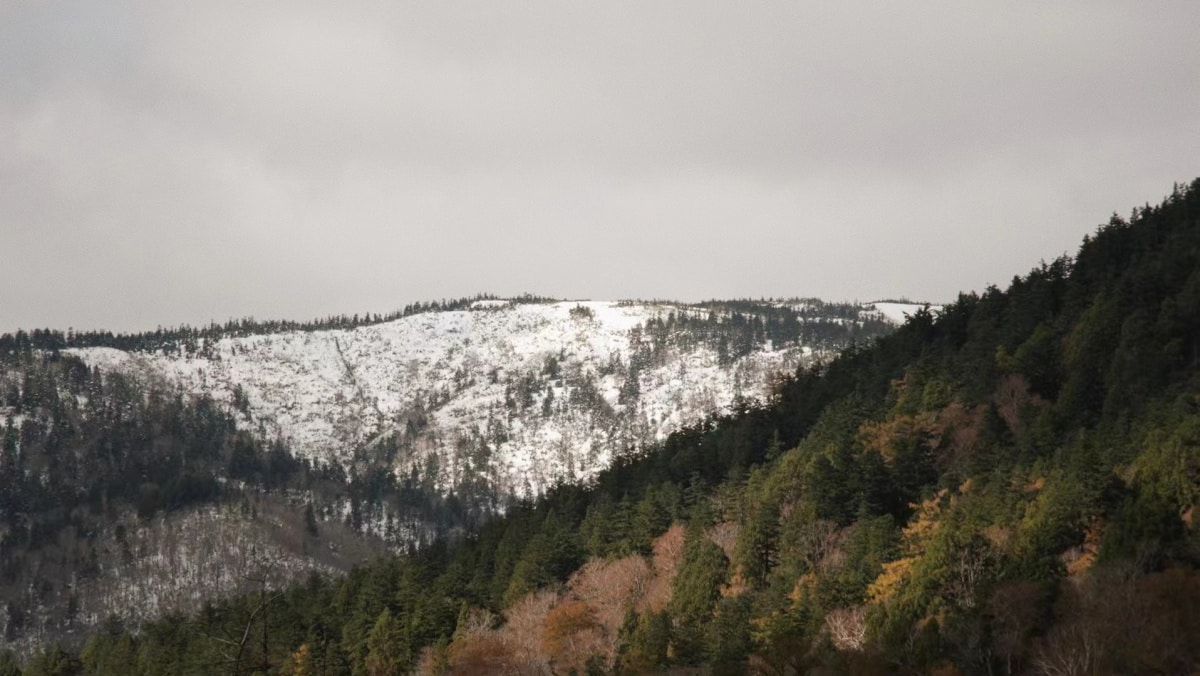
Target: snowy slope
{"x": 898, "y": 313}
{"x": 518, "y": 395}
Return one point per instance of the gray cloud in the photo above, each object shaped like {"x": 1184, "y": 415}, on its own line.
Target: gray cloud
{"x": 171, "y": 163}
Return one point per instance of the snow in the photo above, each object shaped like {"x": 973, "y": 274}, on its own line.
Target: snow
{"x": 333, "y": 395}
{"x": 898, "y": 313}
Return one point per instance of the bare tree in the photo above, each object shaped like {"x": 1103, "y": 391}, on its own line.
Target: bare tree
{"x": 262, "y": 572}
{"x": 847, "y": 627}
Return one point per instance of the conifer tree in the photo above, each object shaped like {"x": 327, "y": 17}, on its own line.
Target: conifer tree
{"x": 385, "y": 655}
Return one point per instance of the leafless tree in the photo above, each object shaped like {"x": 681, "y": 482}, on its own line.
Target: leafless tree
{"x": 262, "y": 572}
{"x": 847, "y": 627}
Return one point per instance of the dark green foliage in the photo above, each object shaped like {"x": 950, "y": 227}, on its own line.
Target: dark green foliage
{"x": 109, "y": 651}
{"x": 8, "y": 664}
{"x": 385, "y": 647}
{"x": 694, "y": 592}
{"x": 647, "y": 639}
{"x": 549, "y": 556}
{"x": 727, "y": 637}
{"x": 757, "y": 551}
{"x": 54, "y": 661}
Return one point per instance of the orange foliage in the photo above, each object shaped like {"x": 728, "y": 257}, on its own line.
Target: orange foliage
{"x": 1080, "y": 559}
{"x": 667, "y": 555}
{"x": 805, "y": 584}
{"x": 667, "y": 551}
{"x": 485, "y": 653}
{"x": 572, "y": 635}
{"x": 611, "y": 588}
{"x": 524, "y": 621}
{"x": 736, "y": 587}
{"x": 514, "y": 648}
{"x": 545, "y": 632}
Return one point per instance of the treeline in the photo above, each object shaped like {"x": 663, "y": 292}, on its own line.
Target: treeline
{"x": 188, "y": 338}
{"x": 737, "y": 328}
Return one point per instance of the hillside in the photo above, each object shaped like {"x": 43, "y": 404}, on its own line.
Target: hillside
{"x": 517, "y": 395}
{"x": 1009, "y": 487}
{"x": 150, "y": 473}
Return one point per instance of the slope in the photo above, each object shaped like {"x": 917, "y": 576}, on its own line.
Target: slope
{"x": 517, "y": 396}
{"x": 148, "y": 474}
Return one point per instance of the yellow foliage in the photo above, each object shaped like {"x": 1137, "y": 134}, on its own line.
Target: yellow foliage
{"x": 805, "y": 585}
{"x": 888, "y": 583}
{"x": 915, "y": 534}
{"x": 923, "y": 522}
{"x": 300, "y": 662}
{"x": 998, "y": 536}
{"x": 880, "y": 436}
{"x": 736, "y": 587}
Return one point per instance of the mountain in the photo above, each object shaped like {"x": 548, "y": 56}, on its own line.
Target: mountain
{"x": 1008, "y": 487}
{"x": 520, "y": 395}
{"x": 146, "y": 474}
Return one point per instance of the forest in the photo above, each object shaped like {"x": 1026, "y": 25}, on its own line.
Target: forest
{"x": 1008, "y": 487}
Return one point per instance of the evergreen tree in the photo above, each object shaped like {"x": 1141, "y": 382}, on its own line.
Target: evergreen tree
{"x": 695, "y": 590}
{"x": 385, "y": 656}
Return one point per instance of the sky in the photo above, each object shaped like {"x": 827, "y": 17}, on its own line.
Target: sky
{"x": 166, "y": 163}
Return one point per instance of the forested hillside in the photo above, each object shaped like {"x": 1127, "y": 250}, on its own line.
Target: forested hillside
{"x": 492, "y": 398}
{"x": 1008, "y": 487}
{"x": 147, "y": 474}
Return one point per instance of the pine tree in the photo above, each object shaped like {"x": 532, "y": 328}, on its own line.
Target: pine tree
{"x": 385, "y": 656}
{"x": 695, "y": 589}
{"x": 757, "y": 549}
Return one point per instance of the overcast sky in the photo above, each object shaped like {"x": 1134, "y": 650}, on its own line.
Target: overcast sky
{"x": 165, "y": 163}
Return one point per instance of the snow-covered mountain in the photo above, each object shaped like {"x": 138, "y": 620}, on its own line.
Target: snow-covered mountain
{"x": 519, "y": 395}
{"x": 122, "y": 495}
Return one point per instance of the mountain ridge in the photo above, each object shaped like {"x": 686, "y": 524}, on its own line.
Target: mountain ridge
{"x": 454, "y": 371}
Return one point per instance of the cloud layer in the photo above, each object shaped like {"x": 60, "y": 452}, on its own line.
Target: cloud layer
{"x": 163, "y": 164}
